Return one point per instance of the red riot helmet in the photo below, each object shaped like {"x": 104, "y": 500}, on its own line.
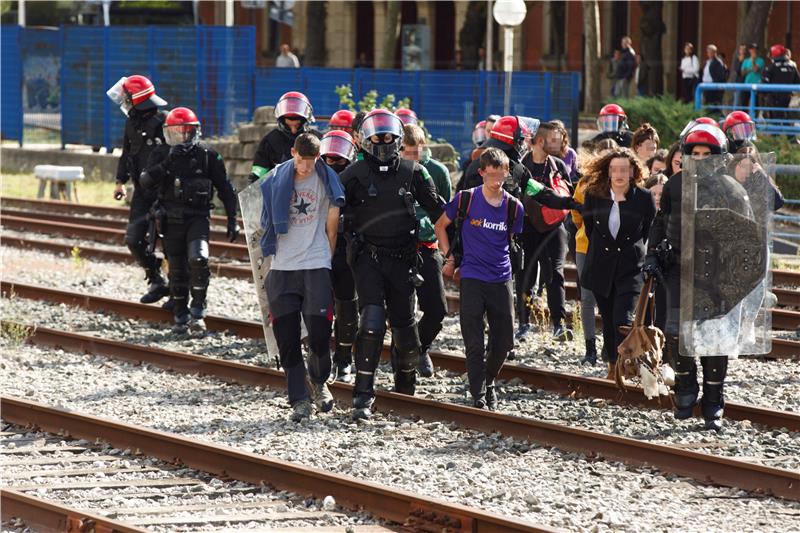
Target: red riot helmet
{"x": 612, "y": 118}
{"x": 342, "y": 120}
{"x": 706, "y": 135}
{"x": 181, "y": 126}
{"x": 406, "y": 116}
{"x": 379, "y": 123}
{"x": 293, "y": 105}
{"x": 739, "y": 127}
{"x": 776, "y": 51}
{"x": 338, "y": 143}
{"x": 479, "y": 133}
{"x": 135, "y": 91}
{"x": 708, "y": 121}
{"x": 512, "y": 130}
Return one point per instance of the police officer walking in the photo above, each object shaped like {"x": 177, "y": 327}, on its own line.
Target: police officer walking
{"x": 137, "y": 98}
{"x": 294, "y": 114}
{"x": 380, "y": 192}
{"x": 338, "y": 151}
{"x": 185, "y": 173}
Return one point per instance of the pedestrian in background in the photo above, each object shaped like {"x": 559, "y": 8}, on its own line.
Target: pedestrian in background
{"x": 287, "y": 59}
{"x": 713, "y": 72}
{"x": 690, "y": 72}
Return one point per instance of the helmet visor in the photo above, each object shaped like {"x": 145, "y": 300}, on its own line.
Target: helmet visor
{"x": 744, "y": 131}
{"x": 182, "y": 133}
{"x": 610, "y": 123}
{"x": 294, "y": 108}
{"x": 117, "y": 95}
{"x": 528, "y": 126}
{"x": 333, "y": 145}
{"x": 380, "y": 124}
{"x": 408, "y": 118}
{"x": 478, "y": 135}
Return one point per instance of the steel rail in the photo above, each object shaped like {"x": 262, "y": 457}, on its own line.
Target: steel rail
{"x": 781, "y": 348}
{"x": 400, "y": 506}
{"x": 566, "y": 384}
{"x": 68, "y": 208}
{"x": 779, "y": 277}
{"x": 699, "y": 466}
{"x": 106, "y": 235}
{"x": 110, "y": 223}
{"x": 44, "y": 515}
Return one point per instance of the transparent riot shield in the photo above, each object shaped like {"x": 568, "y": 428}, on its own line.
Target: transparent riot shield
{"x": 251, "y": 203}
{"x": 726, "y": 281}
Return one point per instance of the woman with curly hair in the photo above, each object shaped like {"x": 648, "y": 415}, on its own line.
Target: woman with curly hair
{"x": 617, "y": 214}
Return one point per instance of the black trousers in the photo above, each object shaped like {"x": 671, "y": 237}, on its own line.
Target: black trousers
{"x": 344, "y": 290}
{"x": 551, "y": 250}
{"x": 385, "y": 281}
{"x": 617, "y": 310}
{"x": 136, "y": 231}
{"x": 431, "y": 296}
{"x": 186, "y": 244}
{"x": 494, "y": 301}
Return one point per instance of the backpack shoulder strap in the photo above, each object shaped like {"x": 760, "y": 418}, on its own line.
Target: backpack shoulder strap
{"x": 464, "y": 201}
{"x": 511, "y": 216}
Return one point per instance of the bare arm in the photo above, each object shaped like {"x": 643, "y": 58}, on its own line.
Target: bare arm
{"x": 332, "y": 226}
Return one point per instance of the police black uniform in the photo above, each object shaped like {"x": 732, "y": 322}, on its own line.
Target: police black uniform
{"x": 383, "y": 253}
{"x": 274, "y": 149}
{"x": 185, "y": 177}
{"x": 781, "y": 71}
{"x": 143, "y": 133}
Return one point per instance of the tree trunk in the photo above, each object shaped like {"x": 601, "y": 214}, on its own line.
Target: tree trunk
{"x": 652, "y": 28}
{"x": 391, "y": 34}
{"x": 316, "y": 15}
{"x": 593, "y": 70}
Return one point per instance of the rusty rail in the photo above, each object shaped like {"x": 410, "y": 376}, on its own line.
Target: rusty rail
{"x": 44, "y": 515}
{"x": 781, "y": 348}
{"x": 403, "y": 507}
{"x": 699, "y": 466}
{"x": 561, "y": 383}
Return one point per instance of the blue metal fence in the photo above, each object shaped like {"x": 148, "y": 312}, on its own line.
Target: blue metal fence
{"x": 780, "y": 120}
{"x": 11, "y": 86}
{"x": 450, "y": 103}
{"x": 212, "y": 70}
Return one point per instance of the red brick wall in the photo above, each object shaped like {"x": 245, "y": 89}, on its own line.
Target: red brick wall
{"x": 532, "y": 37}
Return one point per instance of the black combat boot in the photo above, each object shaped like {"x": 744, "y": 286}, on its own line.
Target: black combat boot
{"x": 713, "y": 402}
{"x": 591, "y": 353}
{"x": 425, "y": 365}
{"x": 157, "y": 288}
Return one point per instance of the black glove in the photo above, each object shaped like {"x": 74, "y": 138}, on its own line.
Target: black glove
{"x": 178, "y": 150}
{"x": 652, "y": 267}
{"x": 252, "y": 177}
{"x": 233, "y": 230}
{"x": 575, "y": 205}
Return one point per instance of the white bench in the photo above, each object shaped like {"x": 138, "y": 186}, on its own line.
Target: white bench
{"x": 63, "y": 181}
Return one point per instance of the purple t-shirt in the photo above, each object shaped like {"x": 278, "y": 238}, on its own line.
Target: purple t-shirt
{"x": 485, "y": 237}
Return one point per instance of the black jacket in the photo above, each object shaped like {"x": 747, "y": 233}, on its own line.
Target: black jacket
{"x": 143, "y": 133}
{"x": 717, "y": 70}
{"x": 624, "y": 138}
{"x": 781, "y": 71}
{"x": 619, "y": 261}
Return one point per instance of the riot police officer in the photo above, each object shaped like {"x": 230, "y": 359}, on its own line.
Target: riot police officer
{"x": 137, "y": 98}
{"x": 294, "y": 114}
{"x": 740, "y": 129}
{"x": 185, "y": 174}
{"x": 613, "y": 124}
{"x": 338, "y": 151}
{"x": 707, "y": 146}
{"x": 342, "y": 120}
{"x": 380, "y": 192}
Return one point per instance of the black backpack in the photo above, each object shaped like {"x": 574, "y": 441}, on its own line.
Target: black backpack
{"x": 515, "y": 252}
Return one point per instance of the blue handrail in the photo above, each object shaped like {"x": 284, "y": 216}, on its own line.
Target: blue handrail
{"x": 787, "y": 124}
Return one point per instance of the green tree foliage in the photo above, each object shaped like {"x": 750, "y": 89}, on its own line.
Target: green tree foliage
{"x": 666, "y": 114}
{"x": 369, "y": 100}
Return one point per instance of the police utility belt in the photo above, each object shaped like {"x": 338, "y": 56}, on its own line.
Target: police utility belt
{"x": 407, "y": 253}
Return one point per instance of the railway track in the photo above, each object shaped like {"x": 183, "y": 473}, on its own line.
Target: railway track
{"x": 401, "y": 508}
{"x": 702, "y": 467}
{"x": 781, "y": 348}
{"x": 566, "y": 384}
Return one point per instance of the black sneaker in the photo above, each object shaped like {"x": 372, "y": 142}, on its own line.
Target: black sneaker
{"x": 479, "y": 403}
{"x": 491, "y": 397}
{"x": 425, "y": 366}
{"x": 562, "y": 334}
{"x": 181, "y": 323}
{"x": 522, "y": 332}
{"x": 301, "y": 410}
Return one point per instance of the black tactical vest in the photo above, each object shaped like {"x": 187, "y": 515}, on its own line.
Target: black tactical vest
{"x": 380, "y": 204}
{"x": 144, "y": 134}
{"x": 187, "y": 183}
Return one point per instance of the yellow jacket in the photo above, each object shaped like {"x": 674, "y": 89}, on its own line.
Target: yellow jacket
{"x": 581, "y": 240}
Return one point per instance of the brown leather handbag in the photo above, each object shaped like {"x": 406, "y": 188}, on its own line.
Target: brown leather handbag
{"x": 639, "y": 355}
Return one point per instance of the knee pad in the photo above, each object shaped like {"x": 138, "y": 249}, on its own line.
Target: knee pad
{"x": 406, "y": 342}
{"x": 373, "y": 321}
{"x": 198, "y": 251}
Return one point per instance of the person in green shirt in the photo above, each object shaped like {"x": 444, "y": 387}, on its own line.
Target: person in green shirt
{"x": 430, "y": 293}
{"x": 753, "y": 66}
